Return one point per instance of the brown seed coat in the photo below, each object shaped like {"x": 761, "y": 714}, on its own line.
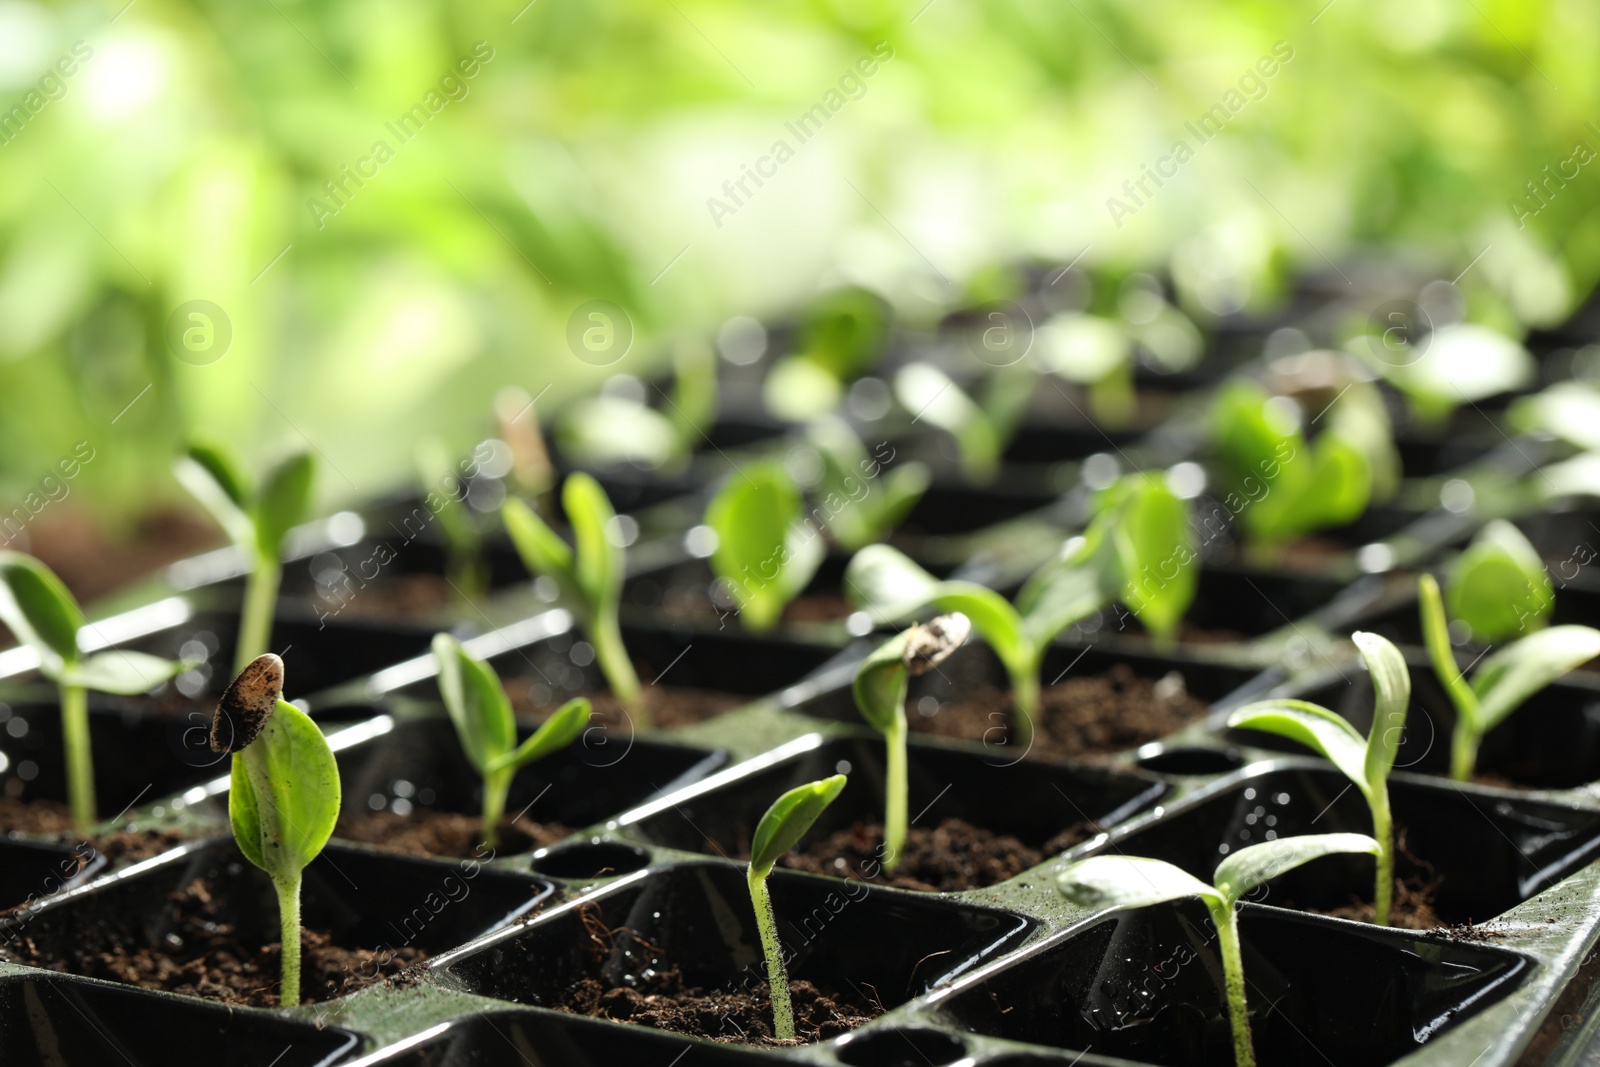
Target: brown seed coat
{"x": 247, "y": 704}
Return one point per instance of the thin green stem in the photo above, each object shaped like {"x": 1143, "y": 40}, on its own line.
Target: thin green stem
{"x": 80, "y": 761}
{"x": 1383, "y": 831}
{"x": 1112, "y": 399}
{"x": 255, "y": 620}
{"x": 1436, "y": 635}
{"x": 895, "y": 790}
{"x": 1463, "y": 751}
{"x": 606, "y": 636}
{"x": 1227, "y": 922}
{"x": 496, "y": 784}
{"x": 289, "y": 923}
{"x": 777, "y": 977}
{"x": 1025, "y": 697}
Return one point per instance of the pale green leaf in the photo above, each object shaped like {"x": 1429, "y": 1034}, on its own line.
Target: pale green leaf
{"x": 1256, "y": 865}
{"x": 125, "y": 673}
{"x": 562, "y": 728}
{"x": 286, "y": 828}
{"x": 284, "y": 502}
{"x": 1319, "y": 729}
{"x": 1102, "y": 882}
{"x": 39, "y": 610}
{"x": 787, "y": 821}
{"x": 1499, "y": 586}
{"x": 1519, "y": 670}
{"x": 476, "y": 703}
{"x": 1391, "y": 686}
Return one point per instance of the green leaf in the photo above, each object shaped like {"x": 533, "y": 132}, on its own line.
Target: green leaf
{"x": 694, "y": 391}
{"x": 1499, "y": 586}
{"x": 284, "y": 812}
{"x": 1319, "y": 729}
{"x": 880, "y": 685}
{"x": 39, "y": 609}
{"x": 886, "y": 584}
{"x": 476, "y": 702}
{"x": 1258, "y": 864}
{"x": 553, "y": 735}
{"x": 1068, "y": 588}
{"x": 122, "y": 672}
{"x": 1084, "y": 348}
{"x": 607, "y": 430}
{"x": 599, "y": 563}
{"x": 214, "y": 478}
{"x": 1513, "y": 674}
{"x": 1570, "y": 410}
{"x": 542, "y": 550}
{"x": 787, "y": 821}
{"x": 1341, "y": 485}
{"x": 284, "y": 502}
{"x": 440, "y": 479}
{"x": 753, "y": 515}
{"x": 1436, "y": 635}
{"x": 1102, "y": 882}
{"x": 1391, "y": 686}
{"x": 845, "y": 331}
{"x": 932, "y": 397}
{"x": 1155, "y": 552}
{"x": 1463, "y": 362}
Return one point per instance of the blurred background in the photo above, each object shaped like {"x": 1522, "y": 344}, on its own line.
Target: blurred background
{"x": 347, "y": 225}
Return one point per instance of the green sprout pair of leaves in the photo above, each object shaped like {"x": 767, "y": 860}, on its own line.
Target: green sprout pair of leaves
{"x": 1137, "y": 549}
{"x": 1499, "y": 587}
{"x": 1366, "y": 761}
{"x": 1286, "y": 485}
{"x": 1502, "y": 681}
{"x": 481, "y": 712}
{"x": 284, "y": 796}
{"x": 880, "y": 692}
{"x": 1103, "y": 882}
{"x": 842, "y": 336}
{"x": 465, "y": 567}
{"x": 766, "y": 549}
{"x": 256, "y": 519}
{"x": 42, "y": 613}
{"x": 779, "y": 830}
{"x": 981, "y": 425}
{"x": 865, "y": 503}
{"x": 611, "y": 429}
{"x": 588, "y": 576}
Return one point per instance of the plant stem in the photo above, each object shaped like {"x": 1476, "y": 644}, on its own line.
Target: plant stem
{"x": 496, "y": 784}
{"x": 606, "y": 636}
{"x": 895, "y": 789}
{"x": 1112, "y": 399}
{"x": 1025, "y": 700}
{"x": 289, "y": 921}
{"x": 1383, "y": 831}
{"x": 1463, "y": 751}
{"x": 1227, "y": 922}
{"x": 777, "y": 978}
{"x": 80, "y": 763}
{"x": 255, "y": 620}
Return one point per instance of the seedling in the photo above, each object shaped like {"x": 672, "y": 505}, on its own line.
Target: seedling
{"x": 864, "y": 502}
{"x": 1135, "y": 882}
{"x": 619, "y": 426}
{"x": 1365, "y": 761}
{"x": 1456, "y": 364}
{"x": 766, "y": 552}
{"x": 840, "y": 339}
{"x": 481, "y": 712}
{"x": 880, "y": 691}
{"x": 1137, "y": 549}
{"x": 1499, "y": 587}
{"x": 1285, "y": 486}
{"x": 256, "y": 519}
{"x": 982, "y": 426}
{"x": 38, "y": 609}
{"x": 1502, "y": 681}
{"x": 587, "y": 575}
{"x": 283, "y": 797}
{"x": 465, "y": 568}
{"x": 784, "y": 824}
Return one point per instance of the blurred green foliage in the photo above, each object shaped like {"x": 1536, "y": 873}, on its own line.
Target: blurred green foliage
{"x": 180, "y": 158}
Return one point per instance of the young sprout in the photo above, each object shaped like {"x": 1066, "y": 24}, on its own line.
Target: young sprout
{"x": 1135, "y": 882}
{"x": 283, "y": 797}
{"x": 842, "y": 336}
{"x": 38, "y": 609}
{"x": 1286, "y": 486}
{"x": 481, "y": 712}
{"x": 1137, "y": 549}
{"x": 880, "y": 691}
{"x": 1365, "y": 761}
{"x": 256, "y": 519}
{"x": 1499, "y": 587}
{"x": 620, "y": 426}
{"x": 981, "y": 427}
{"x": 587, "y": 575}
{"x": 465, "y": 568}
{"x": 1456, "y": 364}
{"x": 1502, "y": 681}
{"x": 766, "y": 551}
{"x": 784, "y": 824}
{"x": 864, "y": 501}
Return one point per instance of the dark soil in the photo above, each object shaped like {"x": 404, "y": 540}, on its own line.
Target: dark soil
{"x": 204, "y": 956}
{"x": 818, "y": 607}
{"x": 1093, "y": 716}
{"x": 695, "y": 603}
{"x": 425, "y": 832}
{"x": 1415, "y": 888}
{"x": 50, "y": 818}
{"x": 93, "y": 561}
{"x": 667, "y": 705}
{"x": 402, "y": 595}
{"x": 948, "y": 858}
{"x": 666, "y": 1002}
